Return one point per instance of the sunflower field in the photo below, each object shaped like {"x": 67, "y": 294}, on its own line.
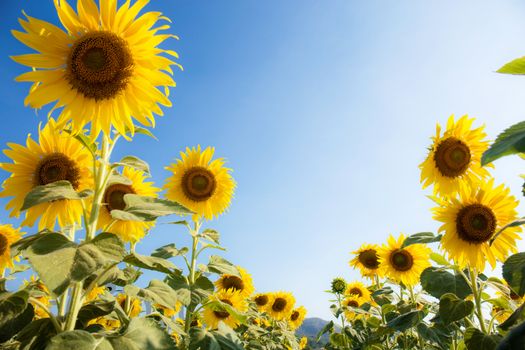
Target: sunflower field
{"x": 104, "y": 76}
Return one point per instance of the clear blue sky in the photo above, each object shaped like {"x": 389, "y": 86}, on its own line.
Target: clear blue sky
{"x": 324, "y": 110}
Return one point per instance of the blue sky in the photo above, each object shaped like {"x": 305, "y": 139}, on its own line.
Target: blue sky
{"x": 324, "y": 110}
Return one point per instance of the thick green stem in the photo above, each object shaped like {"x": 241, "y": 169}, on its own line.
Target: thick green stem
{"x": 52, "y": 317}
{"x": 342, "y": 321}
{"x": 477, "y": 298}
{"x": 74, "y": 308}
{"x": 191, "y": 276}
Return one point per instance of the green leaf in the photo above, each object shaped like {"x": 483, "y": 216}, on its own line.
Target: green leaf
{"x": 452, "y": 309}
{"x": 515, "y": 223}
{"x": 150, "y": 263}
{"x": 439, "y": 259}
{"x": 36, "y": 334}
{"x": 180, "y": 285}
{"x": 141, "y": 334}
{"x": 510, "y": 141}
{"x": 328, "y": 328}
{"x": 134, "y": 162}
{"x": 78, "y": 340}
{"x": 221, "y": 266}
{"x": 157, "y": 292}
{"x": 405, "y": 321}
{"x": 516, "y": 66}
{"x": 169, "y": 251}
{"x": 93, "y": 310}
{"x": 515, "y": 339}
{"x": 143, "y": 208}
{"x": 514, "y": 273}
{"x": 85, "y": 141}
{"x": 12, "y": 325}
{"x": 437, "y": 282}
{"x": 52, "y": 192}
{"x": 144, "y": 131}
{"x": 12, "y": 305}
{"x": 222, "y": 339}
{"x": 422, "y": 237}
{"x": 211, "y": 235}
{"x": 58, "y": 261}
{"x": 477, "y": 340}
{"x": 515, "y": 317}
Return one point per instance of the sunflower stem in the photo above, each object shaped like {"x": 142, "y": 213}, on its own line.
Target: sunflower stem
{"x": 477, "y": 298}
{"x": 52, "y": 317}
{"x": 342, "y": 320}
{"x": 74, "y": 308}
{"x": 191, "y": 277}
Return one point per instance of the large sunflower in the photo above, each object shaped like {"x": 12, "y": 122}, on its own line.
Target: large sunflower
{"x": 359, "y": 289}
{"x": 454, "y": 158}
{"x": 470, "y": 220}
{"x": 213, "y": 314}
{"x": 57, "y": 156}
{"x": 105, "y": 68}
{"x": 242, "y": 283}
{"x": 8, "y": 236}
{"x": 281, "y": 305}
{"x": 297, "y": 317}
{"x": 404, "y": 264}
{"x": 128, "y": 231}
{"x": 199, "y": 183}
{"x": 367, "y": 260}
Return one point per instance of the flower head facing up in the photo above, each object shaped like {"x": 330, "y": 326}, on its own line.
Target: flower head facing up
{"x": 454, "y": 159}
{"x": 56, "y": 157}
{"x": 281, "y": 305}
{"x": 261, "y": 300}
{"x": 358, "y": 289}
{"x": 242, "y": 283}
{"x": 214, "y": 314}
{"x": 406, "y": 264}
{"x": 128, "y": 231}
{"x": 471, "y": 218}
{"x": 297, "y": 317}
{"x": 200, "y": 183}
{"x": 366, "y": 259}
{"x": 104, "y": 68}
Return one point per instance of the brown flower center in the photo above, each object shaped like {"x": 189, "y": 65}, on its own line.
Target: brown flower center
{"x": 114, "y": 196}
{"x": 356, "y": 291}
{"x": 295, "y": 316}
{"x": 232, "y": 282}
{"x": 99, "y": 65}
{"x": 223, "y": 314}
{"x": 199, "y": 184}
{"x": 4, "y": 244}
{"x": 475, "y": 223}
{"x": 369, "y": 259}
{"x": 452, "y": 157}
{"x": 261, "y": 300}
{"x": 279, "y": 304}
{"x": 56, "y": 167}
{"x": 352, "y": 303}
{"x": 401, "y": 260}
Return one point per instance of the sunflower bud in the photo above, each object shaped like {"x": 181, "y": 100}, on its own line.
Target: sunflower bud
{"x": 338, "y": 285}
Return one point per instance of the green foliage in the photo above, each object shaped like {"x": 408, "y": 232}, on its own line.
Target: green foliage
{"x": 516, "y": 66}
{"x": 169, "y": 251}
{"x": 422, "y": 237}
{"x": 405, "y": 321}
{"x": 134, "y": 162}
{"x": 222, "y": 339}
{"x": 143, "y": 208}
{"x": 53, "y": 192}
{"x": 437, "y": 282}
{"x": 220, "y": 265}
{"x": 477, "y": 340}
{"x": 510, "y": 141}
{"x": 452, "y": 309}
{"x": 514, "y": 273}
{"x": 157, "y": 292}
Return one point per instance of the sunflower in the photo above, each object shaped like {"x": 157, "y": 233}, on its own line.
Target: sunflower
{"x": 350, "y": 302}
{"x": 199, "y": 183}
{"x": 8, "y": 236}
{"x": 261, "y": 301}
{"x": 303, "y": 342}
{"x": 214, "y": 314}
{"x": 471, "y": 218}
{"x": 359, "y": 289}
{"x": 280, "y": 305}
{"x": 454, "y": 159}
{"x": 404, "y": 264}
{"x": 169, "y": 312}
{"x": 135, "y": 305}
{"x": 95, "y": 293}
{"x": 242, "y": 283}
{"x": 105, "y": 68}
{"x": 128, "y": 231}
{"x": 57, "y": 156}
{"x": 367, "y": 260}
{"x": 42, "y": 297}
{"x": 297, "y": 317}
